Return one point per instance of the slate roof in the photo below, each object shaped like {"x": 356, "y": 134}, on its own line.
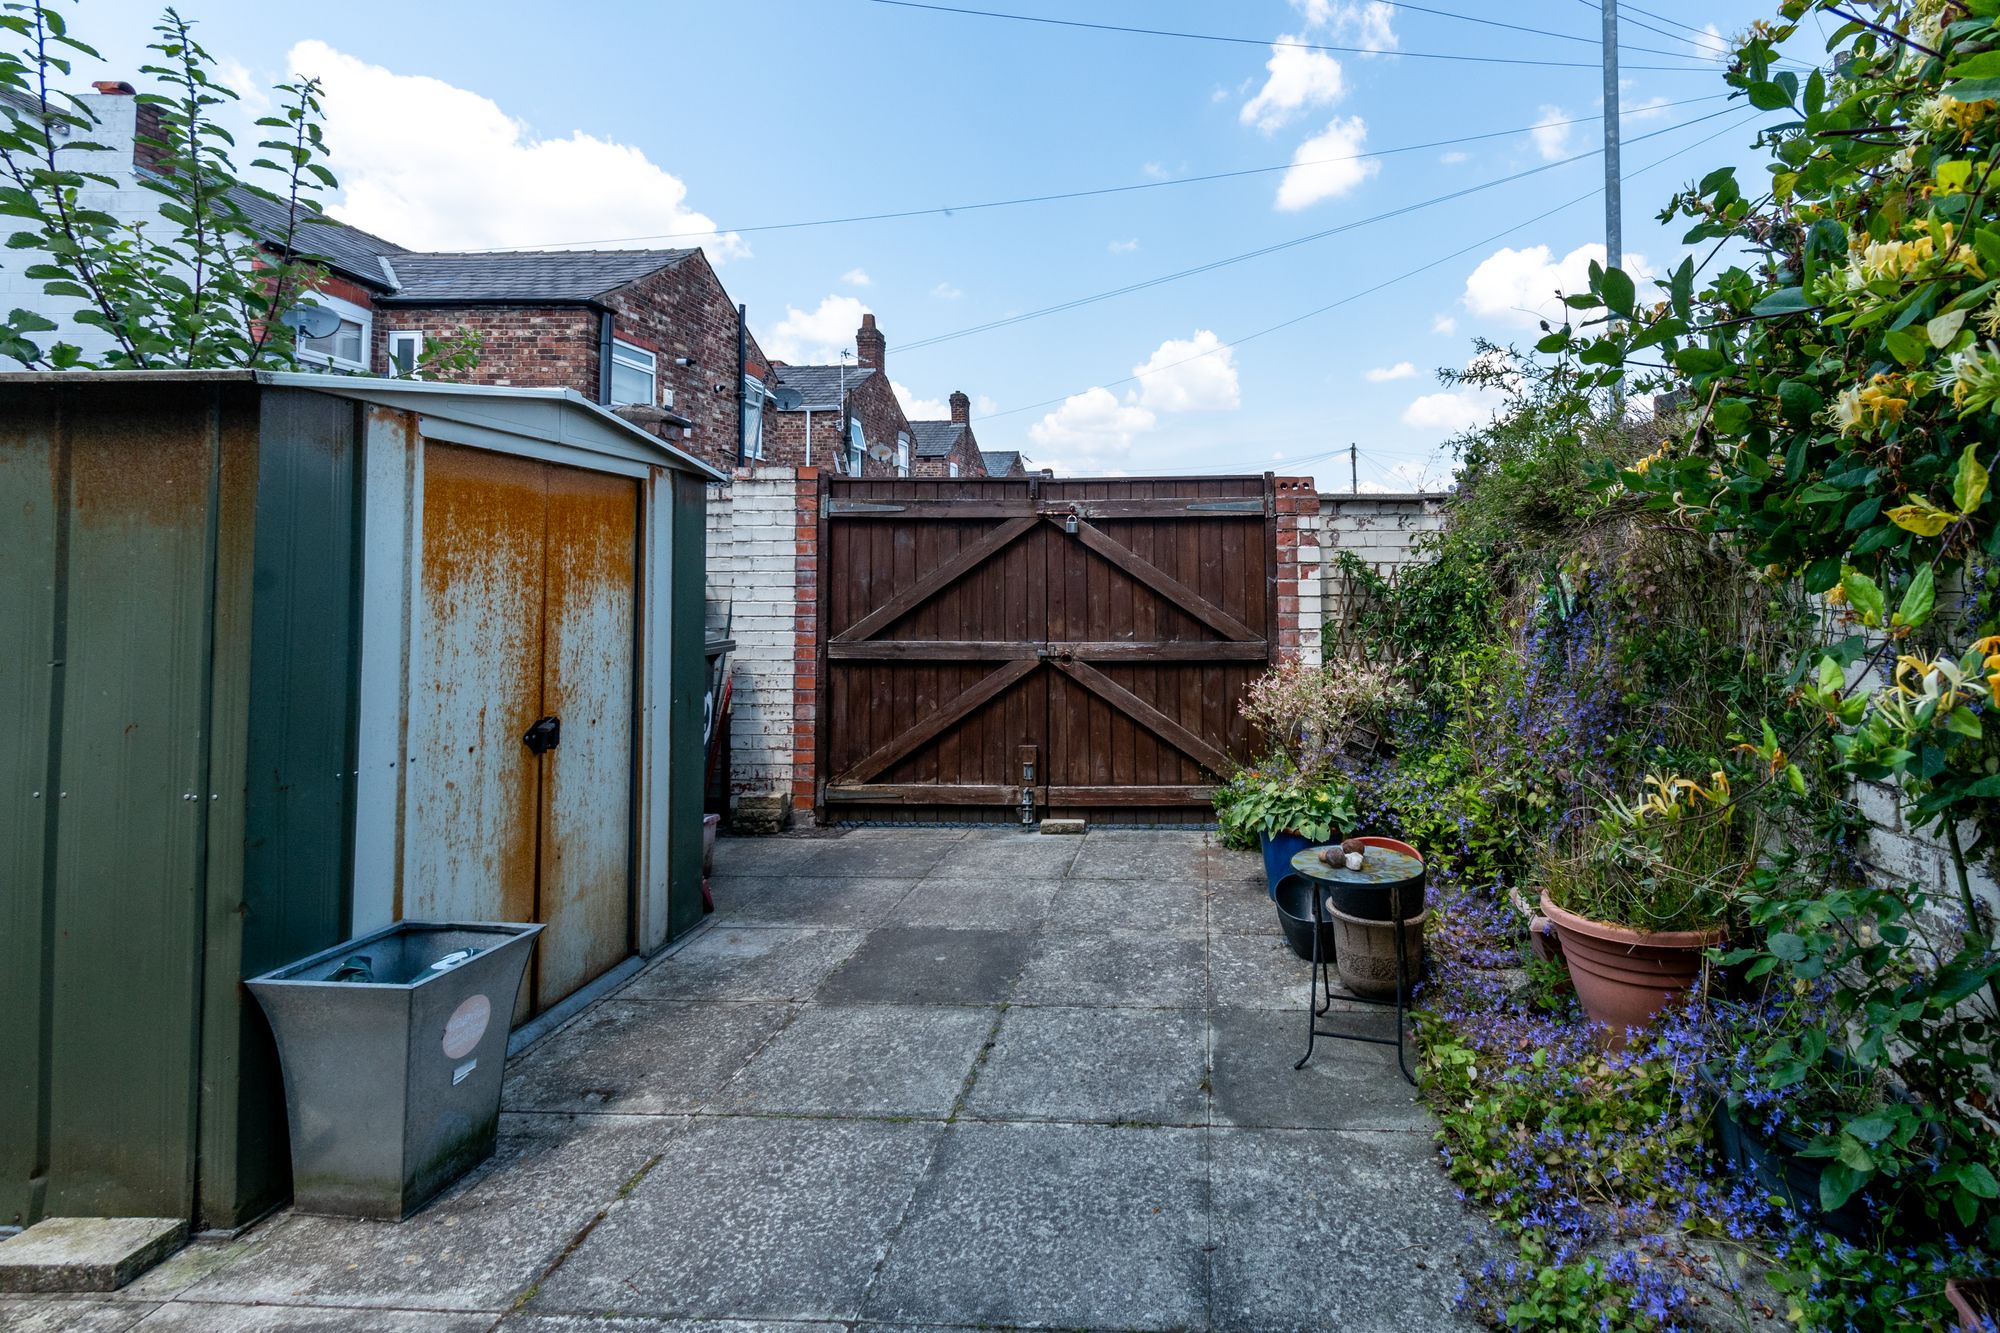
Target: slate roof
{"x": 813, "y": 388}
{"x": 348, "y": 250}
{"x": 935, "y": 438}
{"x": 999, "y": 462}
{"x": 560, "y": 276}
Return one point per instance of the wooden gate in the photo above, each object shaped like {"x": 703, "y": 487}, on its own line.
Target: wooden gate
{"x": 1079, "y": 645}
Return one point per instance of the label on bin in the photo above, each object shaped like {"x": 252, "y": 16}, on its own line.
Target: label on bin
{"x": 466, "y": 1026}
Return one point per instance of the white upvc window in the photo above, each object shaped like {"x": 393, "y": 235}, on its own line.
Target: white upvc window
{"x": 634, "y": 375}
{"x": 346, "y": 348}
{"x": 954, "y": 468}
{"x": 753, "y": 417}
{"x": 857, "y": 447}
{"x": 902, "y": 454}
{"x": 406, "y": 352}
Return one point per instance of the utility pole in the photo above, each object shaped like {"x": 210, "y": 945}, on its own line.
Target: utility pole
{"x": 1353, "y": 470}
{"x": 1614, "y": 248}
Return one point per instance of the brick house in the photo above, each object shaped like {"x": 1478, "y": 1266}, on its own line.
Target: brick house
{"x": 841, "y": 417}
{"x": 947, "y": 448}
{"x": 1010, "y": 463}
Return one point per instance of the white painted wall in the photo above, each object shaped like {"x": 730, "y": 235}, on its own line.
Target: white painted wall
{"x": 753, "y": 575}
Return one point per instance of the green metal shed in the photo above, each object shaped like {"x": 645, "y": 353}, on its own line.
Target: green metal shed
{"x": 268, "y": 643}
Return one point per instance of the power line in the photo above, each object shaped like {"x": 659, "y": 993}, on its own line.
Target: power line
{"x": 1262, "y": 251}
{"x": 946, "y": 210}
{"x": 1522, "y": 27}
{"x": 1127, "y": 30}
{"x": 1387, "y": 282}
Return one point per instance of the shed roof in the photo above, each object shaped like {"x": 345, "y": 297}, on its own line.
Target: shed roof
{"x": 814, "y": 388}
{"x": 935, "y": 439}
{"x": 549, "y": 416}
{"x": 560, "y": 276}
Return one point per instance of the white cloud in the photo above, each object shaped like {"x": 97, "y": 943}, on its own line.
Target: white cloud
{"x": 1090, "y": 427}
{"x": 857, "y": 277}
{"x": 1365, "y": 23}
{"x": 1156, "y": 171}
{"x": 1455, "y": 158}
{"x": 432, "y": 165}
{"x": 1444, "y": 324}
{"x": 1195, "y": 374}
{"x": 1123, "y": 247}
{"x": 1452, "y": 412}
{"x": 1402, "y": 370}
{"x": 1298, "y": 79}
{"x": 1523, "y": 287}
{"x": 1647, "y": 110}
{"x": 814, "y": 337}
{"x": 920, "y": 409}
{"x": 1551, "y": 133}
{"x": 1325, "y": 166}
{"x": 983, "y": 406}
{"x": 944, "y": 291}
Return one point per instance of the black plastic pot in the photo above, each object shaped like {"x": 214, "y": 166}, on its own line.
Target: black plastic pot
{"x": 1293, "y": 895}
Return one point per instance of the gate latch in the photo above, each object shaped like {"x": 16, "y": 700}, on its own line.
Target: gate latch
{"x": 1027, "y": 755}
{"x": 544, "y": 736}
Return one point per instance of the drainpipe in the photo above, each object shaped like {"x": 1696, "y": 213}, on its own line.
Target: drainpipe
{"x": 604, "y": 358}
{"x": 742, "y": 370}
{"x": 809, "y": 437}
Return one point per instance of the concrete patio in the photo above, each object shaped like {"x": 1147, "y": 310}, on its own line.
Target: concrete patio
{"x": 907, "y": 1078}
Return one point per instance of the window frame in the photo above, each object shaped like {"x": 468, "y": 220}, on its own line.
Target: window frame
{"x": 857, "y": 447}
{"x": 651, "y": 369}
{"x": 416, "y": 360}
{"x": 902, "y": 454}
{"x": 349, "y": 313}
{"x": 755, "y": 399}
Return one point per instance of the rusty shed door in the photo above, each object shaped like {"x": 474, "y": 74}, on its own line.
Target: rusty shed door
{"x": 526, "y": 611}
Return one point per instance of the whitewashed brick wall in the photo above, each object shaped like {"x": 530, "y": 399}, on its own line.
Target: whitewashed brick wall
{"x": 1380, "y": 529}
{"x": 753, "y": 578}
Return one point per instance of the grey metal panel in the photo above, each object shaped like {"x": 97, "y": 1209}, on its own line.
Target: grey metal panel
{"x": 685, "y": 634}
{"x": 129, "y": 828}
{"x": 31, "y": 578}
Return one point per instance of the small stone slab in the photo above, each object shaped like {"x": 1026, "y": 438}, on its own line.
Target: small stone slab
{"x": 86, "y": 1253}
{"x": 1074, "y": 827}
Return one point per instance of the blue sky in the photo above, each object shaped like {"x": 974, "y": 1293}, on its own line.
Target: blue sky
{"x": 457, "y": 125}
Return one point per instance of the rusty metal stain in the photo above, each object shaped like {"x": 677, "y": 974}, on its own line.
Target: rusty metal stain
{"x": 590, "y": 621}
{"x": 476, "y": 685}
{"x": 151, "y": 467}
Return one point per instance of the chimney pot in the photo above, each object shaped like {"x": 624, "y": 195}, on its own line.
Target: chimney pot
{"x": 115, "y": 88}
{"x": 961, "y": 408}
{"x": 871, "y": 349}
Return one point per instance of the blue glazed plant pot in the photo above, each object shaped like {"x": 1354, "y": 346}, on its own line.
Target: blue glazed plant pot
{"x": 1279, "y": 849}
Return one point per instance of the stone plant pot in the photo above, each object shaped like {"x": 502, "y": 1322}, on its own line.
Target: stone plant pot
{"x": 1364, "y": 953}
{"x": 1625, "y": 978}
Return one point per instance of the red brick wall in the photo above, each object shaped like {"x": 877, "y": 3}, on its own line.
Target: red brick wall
{"x": 964, "y": 452}
{"x": 871, "y": 400}
{"x": 1297, "y": 498}
{"x": 536, "y": 347}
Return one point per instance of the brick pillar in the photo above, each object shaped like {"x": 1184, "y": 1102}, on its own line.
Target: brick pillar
{"x": 805, "y": 641}
{"x": 1300, "y": 603}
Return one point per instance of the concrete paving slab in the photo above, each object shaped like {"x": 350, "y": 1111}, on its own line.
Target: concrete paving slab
{"x": 751, "y": 1218}
{"x": 1123, "y": 904}
{"x": 53, "y": 1314}
{"x": 1319, "y": 1230}
{"x": 1346, "y": 1085}
{"x": 746, "y": 963}
{"x": 1112, "y": 1066}
{"x": 863, "y": 1060}
{"x": 570, "y": 1323}
{"x": 926, "y": 965}
{"x": 772, "y": 855}
{"x": 806, "y": 900}
{"x": 909, "y": 855}
{"x": 477, "y": 1248}
{"x": 990, "y": 854}
{"x": 1260, "y": 971}
{"x": 188, "y": 1317}
{"x": 953, "y": 903}
{"x": 1172, "y": 856}
{"x": 86, "y": 1253}
{"x": 1242, "y": 907}
{"x": 1147, "y": 970}
{"x": 642, "y": 1057}
{"x": 1069, "y": 1226}
{"x": 1226, "y": 865}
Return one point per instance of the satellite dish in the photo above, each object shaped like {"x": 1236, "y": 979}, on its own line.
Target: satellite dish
{"x": 312, "y": 321}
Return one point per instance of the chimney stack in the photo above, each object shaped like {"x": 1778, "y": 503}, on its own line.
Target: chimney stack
{"x": 961, "y": 408}
{"x": 115, "y": 88}
{"x": 870, "y": 347}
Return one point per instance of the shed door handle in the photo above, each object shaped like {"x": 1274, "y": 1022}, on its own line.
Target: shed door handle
{"x": 544, "y": 736}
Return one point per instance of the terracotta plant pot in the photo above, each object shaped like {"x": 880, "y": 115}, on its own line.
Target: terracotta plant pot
{"x": 1975, "y": 1299}
{"x": 1626, "y": 977}
{"x": 1364, "y": 952}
